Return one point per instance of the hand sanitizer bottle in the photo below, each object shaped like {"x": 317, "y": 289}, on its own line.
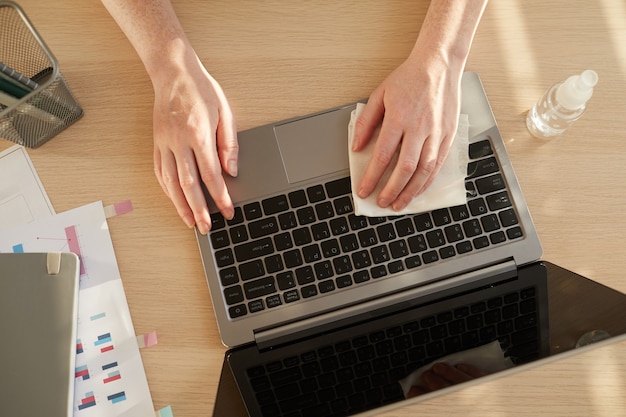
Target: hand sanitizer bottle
{"x": 561, "y": 106}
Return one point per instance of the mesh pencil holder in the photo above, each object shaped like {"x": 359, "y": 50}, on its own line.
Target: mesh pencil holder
{"x": 35, "y": 100}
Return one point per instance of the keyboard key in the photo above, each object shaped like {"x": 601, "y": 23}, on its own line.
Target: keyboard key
{"x": 229, "y": 276}
{"x": 338, "y": 187}
{"x": 252, "y": 211}
{"x": 477, "y": 207}
{"x": 252, "y": 269}
{"x": 315, "y": 193}
{"x": 343, "y": 206}
{"x": 238, "y": 234}
{"x": 490, "y": 184}
{"x": 483, "y": 167}
{"x": 287, "y": 220}
{"x": 301, "y": 236}
{"x": 263, "y": 227}
{"x": 480, "y": 149}
{"x": 291, "y": 296}
{"x": 514, "y": 233}
{"x": 306, "y": 215}
{"x": 237, "y": 311}
{"x": 297, "y": 198}
{"x": 508, "y": 217}
{"x": 259, "y": 288}
{"x": 423, "y": 222}
{"x": 339, "y": 226}
{"x": 254, "y": 249}
{"x": 285, "y": 280}
{"x": 256, "y": 306}
{"x": 237, "y": 218}
{"x": 441, "y": 217}
{"x": 324, "y": 210}
{"x": 305, "y": 275}
{"x": 343, "y": 281}
{"x": 273, "y": 301}
{"x": 386, "y": 232}
{"x": 224, "y": 257}
{"x": 283, "y": 241}
{"x": 349, "y": 243}
{"x": 320, "y": 231}
{"x": 326, "y": 286}
{"x": 367, "y": 238}
{"x": 293, "y": 258}
{"x": 309, "y": 291}
{"x": 404, "y": 227}
{"x": 219, "y": 239}
{"x": 275, "y": 205}
{"x": 460, "y": 213}
{"x": 499, "y": 201}
{"x": 233, "y": 295}
{"x": 217, "y": 221}
{"x": 357, "y": 222}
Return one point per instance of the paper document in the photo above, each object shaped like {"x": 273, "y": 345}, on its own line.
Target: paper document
{"x": 110, "y": 380}
{"x": 22, "y": 197}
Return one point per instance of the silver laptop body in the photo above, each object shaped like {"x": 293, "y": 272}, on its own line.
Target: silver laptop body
{"x": 302, "y": 153}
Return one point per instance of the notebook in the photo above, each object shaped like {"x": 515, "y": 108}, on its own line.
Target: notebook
{"x": 38, "y": 319}
{"x": 296, "y": 264}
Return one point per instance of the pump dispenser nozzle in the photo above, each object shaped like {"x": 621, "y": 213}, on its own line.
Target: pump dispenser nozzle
{"x": 576, "y": 90}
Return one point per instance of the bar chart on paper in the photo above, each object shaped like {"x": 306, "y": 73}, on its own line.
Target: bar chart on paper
{"x": 109, "y": 379}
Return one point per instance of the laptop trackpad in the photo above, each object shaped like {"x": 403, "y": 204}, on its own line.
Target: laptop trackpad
{"x": 315, "y": 145}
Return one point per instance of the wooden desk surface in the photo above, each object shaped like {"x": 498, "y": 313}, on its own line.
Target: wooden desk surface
{"x": 278, "y": 59}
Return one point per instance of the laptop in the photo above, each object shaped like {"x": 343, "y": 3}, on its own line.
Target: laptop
{"x": 296, "y": 269}
{"x": 38, "y": 319}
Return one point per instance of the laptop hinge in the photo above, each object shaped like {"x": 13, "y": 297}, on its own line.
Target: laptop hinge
{"x": 272, "y": 337}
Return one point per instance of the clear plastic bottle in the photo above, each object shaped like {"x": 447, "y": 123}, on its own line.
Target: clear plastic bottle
{"x": 562, "y": 105}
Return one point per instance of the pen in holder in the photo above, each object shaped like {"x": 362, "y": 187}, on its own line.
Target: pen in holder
{"x": 35, "y": 101}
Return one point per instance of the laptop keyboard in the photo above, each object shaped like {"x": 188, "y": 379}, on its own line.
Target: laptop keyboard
{"x": 360, "y": 371}
{"x": 291, "y": 247}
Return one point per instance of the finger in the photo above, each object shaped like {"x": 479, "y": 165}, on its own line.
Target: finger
{"x": 210, "y": 172}
{"x": 385, "y": 148}
{"x": 416, "y": 390}
{"x": 168, "y": 178}
{"x": 158, "y": 169}
{"x": 190, "y": 181}
{"x": 431, "y": 160}
{"x": 227, "y": 145}
{"x": 369, "y": 119}
{"x": 403, "y": 171}
{"x": 471, "y": 370}
{"x": 450, "y": 373}
{"x": 433, "y": 381}
{"x": 444, "y": 150}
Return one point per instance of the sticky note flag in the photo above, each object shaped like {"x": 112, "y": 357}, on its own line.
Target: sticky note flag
{"x": 147, "y": 340}
{"x": 165, "y": 412}
{"x": 118, "y": 209}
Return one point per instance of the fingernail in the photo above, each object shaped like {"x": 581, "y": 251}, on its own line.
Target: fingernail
{"x": 189, "y": 221}
{"x": 439, "y": 367}
{"x": 383, "y": 202}
{"x": 232, "y": 167}
{"x": 362, "y": 193}
{"x": 203, "y": 228}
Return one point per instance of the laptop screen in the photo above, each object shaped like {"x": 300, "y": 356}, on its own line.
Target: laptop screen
{"x": 558, "y": 311}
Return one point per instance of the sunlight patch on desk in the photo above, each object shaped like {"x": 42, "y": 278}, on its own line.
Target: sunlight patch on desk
{"x": 615, "y": 15}
{"x": 510, "y": 20}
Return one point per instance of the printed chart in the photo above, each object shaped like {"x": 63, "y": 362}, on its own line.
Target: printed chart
{"x": 109, "y": 376}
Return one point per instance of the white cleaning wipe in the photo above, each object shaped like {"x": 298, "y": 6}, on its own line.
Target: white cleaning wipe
{"x": 490, "y": 358}
{"x": 447, "y": 190}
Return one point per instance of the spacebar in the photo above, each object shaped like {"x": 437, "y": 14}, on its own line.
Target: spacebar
{"x": 254, "y": 249}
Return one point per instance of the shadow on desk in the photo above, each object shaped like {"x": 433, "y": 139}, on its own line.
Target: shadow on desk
{"x": 228, "y": 402}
